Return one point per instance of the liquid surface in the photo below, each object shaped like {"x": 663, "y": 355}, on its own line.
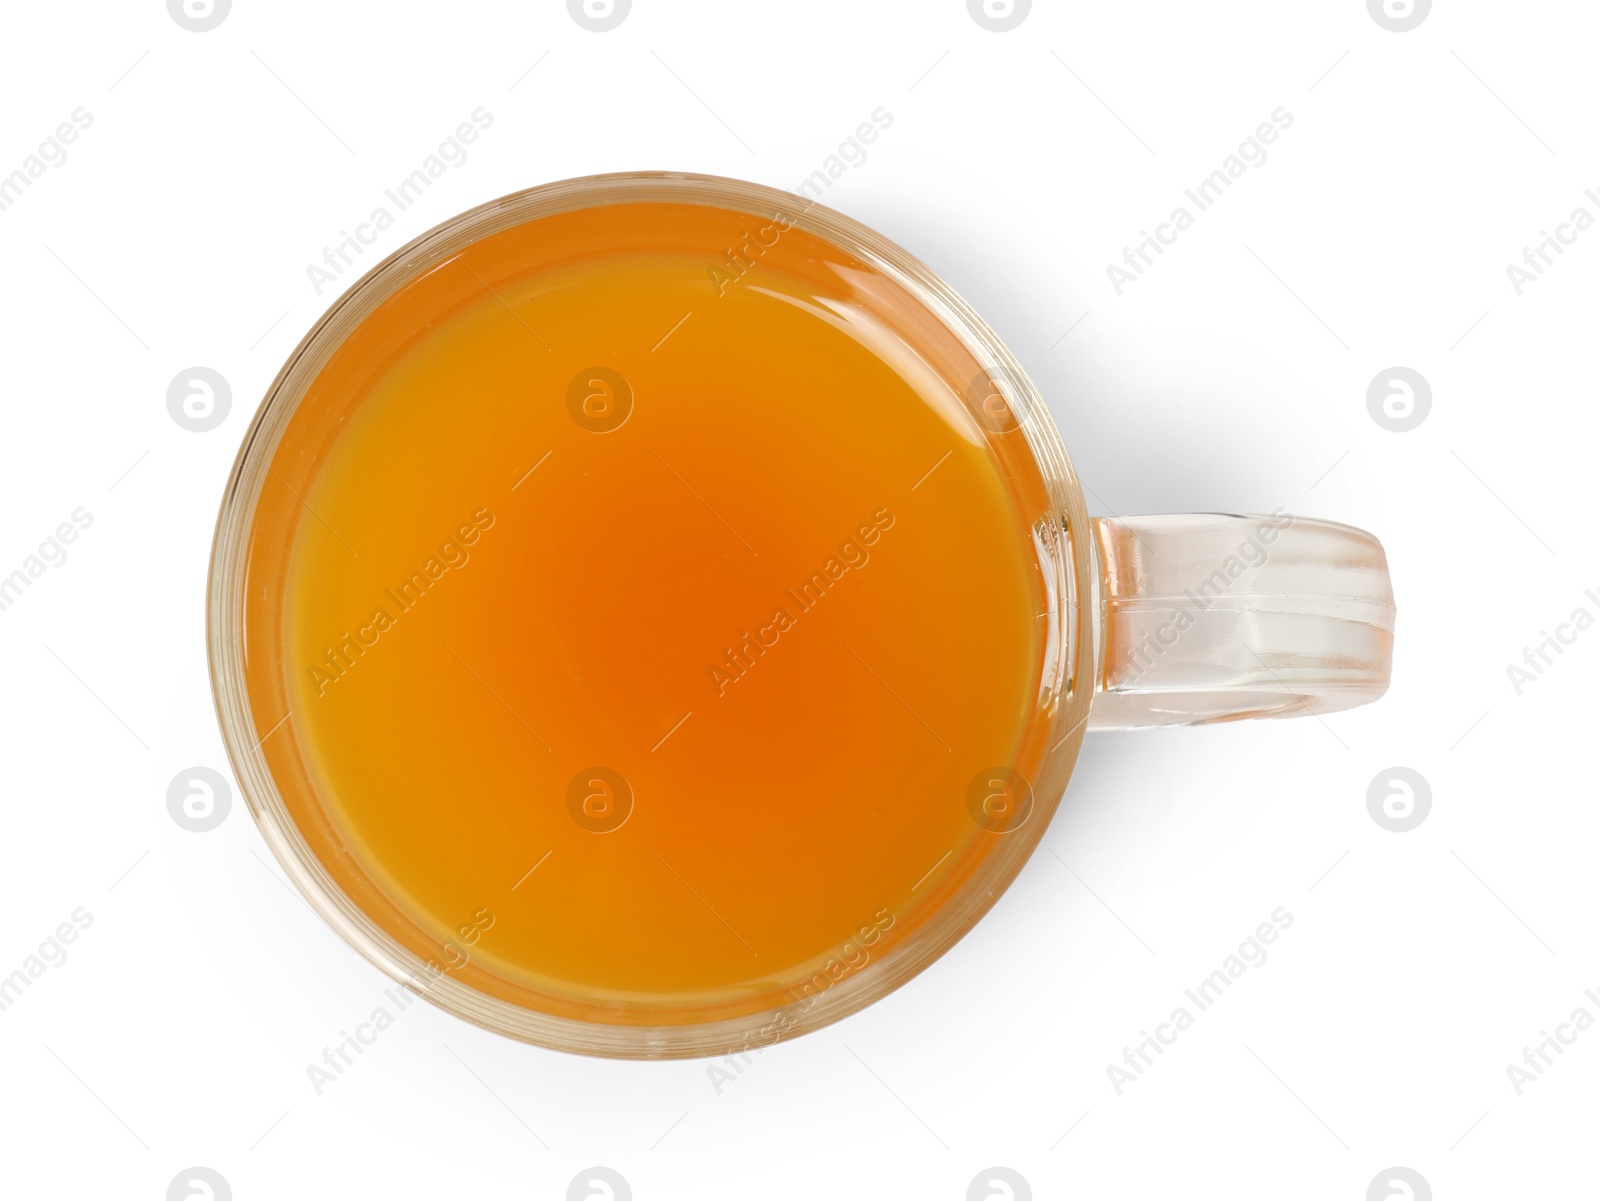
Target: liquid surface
{"x": 648, "y": 615}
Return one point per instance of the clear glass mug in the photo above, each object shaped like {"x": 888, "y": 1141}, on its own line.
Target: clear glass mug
{"x": 1152, "y": 621}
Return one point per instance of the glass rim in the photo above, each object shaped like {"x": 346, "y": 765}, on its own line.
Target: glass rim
{"x": 1063, "y": 545}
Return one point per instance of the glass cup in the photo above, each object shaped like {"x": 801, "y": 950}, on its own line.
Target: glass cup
{"x": 1151, "y": 621}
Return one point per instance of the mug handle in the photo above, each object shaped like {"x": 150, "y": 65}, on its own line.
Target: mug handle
{"x": 1210, "y": 617}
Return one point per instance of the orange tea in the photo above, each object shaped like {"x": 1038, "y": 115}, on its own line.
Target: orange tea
{"x": 642, "y": 617}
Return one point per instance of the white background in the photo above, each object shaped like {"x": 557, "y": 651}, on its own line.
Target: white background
{"x": 1231, "y": 376}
